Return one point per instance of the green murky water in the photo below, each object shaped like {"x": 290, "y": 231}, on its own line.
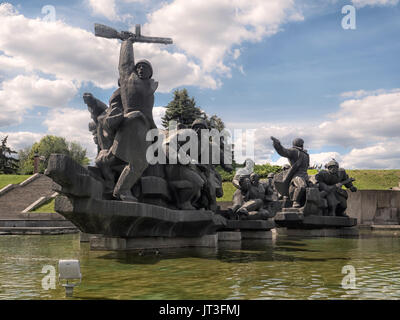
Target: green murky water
{"x": 285, "y": 268}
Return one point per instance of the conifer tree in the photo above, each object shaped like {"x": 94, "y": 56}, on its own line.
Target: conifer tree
{"x": 182, "y": 109}
{"x": 8, "y": 164}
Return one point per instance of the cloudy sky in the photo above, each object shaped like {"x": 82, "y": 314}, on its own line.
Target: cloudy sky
{"x": 285, "y": 68}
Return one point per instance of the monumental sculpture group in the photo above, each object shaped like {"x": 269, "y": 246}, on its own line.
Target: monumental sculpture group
{"x": 127, "y": 195}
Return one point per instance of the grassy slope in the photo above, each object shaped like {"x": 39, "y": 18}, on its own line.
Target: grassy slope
{"x": 365, "y": 180}
{"x": 6, "y": 179}
{"x": 47, "y": 207}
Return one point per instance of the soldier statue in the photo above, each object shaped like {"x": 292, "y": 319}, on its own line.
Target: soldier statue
{"x": 296, "y": 177}
{"x": 330, "y": 184}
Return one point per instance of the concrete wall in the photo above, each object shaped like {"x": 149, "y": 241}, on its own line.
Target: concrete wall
{"x": 374, "y": 206}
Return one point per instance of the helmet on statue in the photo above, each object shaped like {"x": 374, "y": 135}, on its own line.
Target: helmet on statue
{"x": 332, "y": 163}
{"x": 298, "y": 142}
{"x": 147, "y": 63}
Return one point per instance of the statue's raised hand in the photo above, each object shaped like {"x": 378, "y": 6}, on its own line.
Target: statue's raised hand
{"x": 275, "y": 140}
{"x": 125, "y": 35}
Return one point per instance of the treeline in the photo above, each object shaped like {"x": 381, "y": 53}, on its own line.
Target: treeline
{"x": 261, "y": 169}
{"x": 44, "y": 148}
{"x": 49, "y": 144}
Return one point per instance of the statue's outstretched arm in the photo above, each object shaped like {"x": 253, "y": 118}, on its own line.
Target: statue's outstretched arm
{"x": 126, "y": 60}
{"x": 282, "y": 151}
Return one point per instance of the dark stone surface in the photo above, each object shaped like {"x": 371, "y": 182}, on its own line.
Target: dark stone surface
{"x": 295, "y": 220}
{"x": 130, "y": 219}
{"x": 74, "y": 179}
{"x": 294, "y": 181}
{"x": 249, "y": 225}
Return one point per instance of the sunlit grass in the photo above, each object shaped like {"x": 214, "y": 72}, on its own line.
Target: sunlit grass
{"x": 47, "y": 207}
{"x": 6, "y": 179}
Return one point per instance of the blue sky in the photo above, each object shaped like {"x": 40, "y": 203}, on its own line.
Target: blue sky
{"x": 281, "y": 67}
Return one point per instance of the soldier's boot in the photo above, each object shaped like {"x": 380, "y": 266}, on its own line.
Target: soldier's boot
{"x": 298, "y": 196}
{"x": 127, "y": 179}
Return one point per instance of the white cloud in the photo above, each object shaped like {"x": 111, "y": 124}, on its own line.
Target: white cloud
{"x": 360, "y": 121}
{"x": 158, "y": 113}
{"x": 368, "y": 127}
{"x": 317, "y": 159}
{"x": 58, "y": 49}
{"x": 72, "y": 124}
{"x": 209, "y": 29}
{"x": 106, "y": 8}
{"x": 363, "y": 93}
{"x": 9, "y": 64}
{"x": 373, "y": 3}
{"x": 20, "y": 140}
{"x": 384, "y": 155}
{"x": 172, "y": 70}
{"x": 71, "y": 53}
{"x": 24, "y": 92}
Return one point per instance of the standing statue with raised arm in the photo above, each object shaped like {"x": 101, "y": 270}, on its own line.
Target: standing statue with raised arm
{"x": 137, "y": 95}
{"x": 295, "y": 180}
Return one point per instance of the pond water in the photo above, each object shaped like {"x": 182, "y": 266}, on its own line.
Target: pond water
{"x": 284, "y": 268}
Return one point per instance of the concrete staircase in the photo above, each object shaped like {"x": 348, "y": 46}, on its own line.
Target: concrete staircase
{"x": 20, "y": 197}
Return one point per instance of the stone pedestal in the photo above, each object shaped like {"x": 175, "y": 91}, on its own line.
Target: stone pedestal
{"x": 250, "y": 225}
{"x": 293, "y": 223}
{"x": 85, "y": 237}
{"x": 248, "y": 229}
{"x": 229, "y": 236}
{"x": 113, "y": 243}
{"x": 295, "y": 220}
{"x": 134, "y": 220}
{"x": 248, "y": 234}
{"x": 323, "y": 232}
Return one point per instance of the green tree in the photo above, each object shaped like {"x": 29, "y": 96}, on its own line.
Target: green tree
{"x": 182, "y": 109}
{"x": 216, "y": 122}
{"x": 45, "y": 147}
{"x": 8, "y": 164}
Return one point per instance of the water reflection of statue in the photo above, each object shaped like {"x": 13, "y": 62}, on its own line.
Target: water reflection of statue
{"x": 296, "y": 178}
{"x": 330, "y": 183}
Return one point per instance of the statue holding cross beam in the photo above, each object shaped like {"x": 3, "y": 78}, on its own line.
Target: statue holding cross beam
{"x": 136, "y": 96}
